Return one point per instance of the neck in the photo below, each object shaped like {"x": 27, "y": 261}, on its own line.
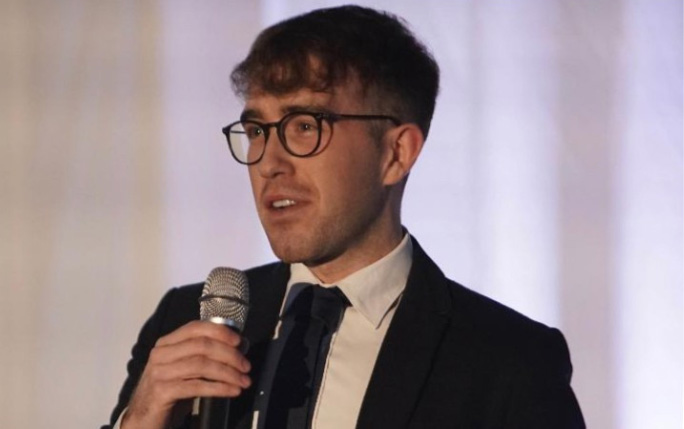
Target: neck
{"x": 358, "y": 255}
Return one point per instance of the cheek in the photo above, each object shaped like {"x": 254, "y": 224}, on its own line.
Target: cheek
{"x": 256, "y": 184}
{"x": 253, "y": 177}
{"x": 352, "y": 181}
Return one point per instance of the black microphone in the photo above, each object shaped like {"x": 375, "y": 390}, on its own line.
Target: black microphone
{"x": 225, "y": 301}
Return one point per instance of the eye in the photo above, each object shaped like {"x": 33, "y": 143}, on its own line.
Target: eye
{"x": 253, "y": 131}
{"x": 303, "y": 124}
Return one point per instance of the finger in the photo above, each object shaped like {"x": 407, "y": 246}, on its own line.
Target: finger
{"x": 200, "y": 346}
{"x": 160, "y": 397}
{"x": 187, "y": 389}
{"x": 199, "y": 328}
{"x": 200, "y": 367}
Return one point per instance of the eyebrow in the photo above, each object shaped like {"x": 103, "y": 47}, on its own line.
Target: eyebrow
{"x": 250, "y": 114}
{"x": 312, "y": 107}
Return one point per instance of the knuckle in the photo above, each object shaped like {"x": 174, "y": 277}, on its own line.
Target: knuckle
{"x": 153, "y": 372}
{"x": 162, "y": 340}
{"x": 204, "y": 344}
{"x": 154, "y": 354}
{"x": 201, "y": 361}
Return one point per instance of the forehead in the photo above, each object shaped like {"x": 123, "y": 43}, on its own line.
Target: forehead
{"x": 344, "y": 98}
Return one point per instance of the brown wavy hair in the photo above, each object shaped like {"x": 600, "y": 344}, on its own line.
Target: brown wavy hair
{"x": 323, "y": 48}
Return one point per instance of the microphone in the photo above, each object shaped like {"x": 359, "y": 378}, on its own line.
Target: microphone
{"x": 225, "y": 301}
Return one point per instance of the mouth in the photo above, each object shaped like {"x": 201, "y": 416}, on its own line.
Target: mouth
{"x": 283, "y": 206}
{"x": 283, "y": 203}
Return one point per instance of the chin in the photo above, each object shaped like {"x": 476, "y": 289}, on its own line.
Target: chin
{"x": 298, "y": 249}
{"x": 288, "y": 249}
{"x": 308, "y": 246}
{"x": 289, "y": 255}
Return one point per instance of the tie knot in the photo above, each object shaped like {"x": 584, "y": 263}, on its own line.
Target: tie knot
{"x": 328, "y": 304}
{"x": 320, "y": 303}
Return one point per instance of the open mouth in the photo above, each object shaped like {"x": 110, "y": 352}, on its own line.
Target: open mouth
{"x": 281, "y": 204}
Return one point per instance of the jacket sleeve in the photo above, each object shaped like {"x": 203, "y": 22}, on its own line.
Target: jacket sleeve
{"x": 541, "y": 393}
{"x": 150, "y": 332}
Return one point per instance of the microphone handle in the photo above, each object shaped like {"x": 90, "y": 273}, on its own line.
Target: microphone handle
{"x": 213, "y": 413}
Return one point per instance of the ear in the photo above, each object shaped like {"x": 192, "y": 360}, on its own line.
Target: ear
{"x": 403, "y": 145}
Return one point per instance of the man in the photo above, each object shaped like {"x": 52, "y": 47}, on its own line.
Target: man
{"x": 338, "y": 103}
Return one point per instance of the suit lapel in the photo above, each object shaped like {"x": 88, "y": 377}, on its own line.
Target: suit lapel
{"x": 267, "y": 289}
{"x": 405, "y": 357}
{"x": 267, "y": 286}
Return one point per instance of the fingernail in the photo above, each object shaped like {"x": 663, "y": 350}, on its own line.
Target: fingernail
{"x": 245, "y": 381}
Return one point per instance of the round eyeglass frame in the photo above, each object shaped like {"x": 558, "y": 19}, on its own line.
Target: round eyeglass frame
{"x": 319, "y": 117}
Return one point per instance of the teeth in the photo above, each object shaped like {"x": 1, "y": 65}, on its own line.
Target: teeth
{"x": 283, "y": 203}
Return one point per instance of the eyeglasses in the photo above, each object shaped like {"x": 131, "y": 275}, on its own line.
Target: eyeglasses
{"x": 300, "y": 133}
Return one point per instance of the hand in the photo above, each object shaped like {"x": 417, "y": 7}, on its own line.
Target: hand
{"x": 198, "y": 359}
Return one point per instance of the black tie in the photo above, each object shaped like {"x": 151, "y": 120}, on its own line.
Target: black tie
{"x": 301, "y": 349}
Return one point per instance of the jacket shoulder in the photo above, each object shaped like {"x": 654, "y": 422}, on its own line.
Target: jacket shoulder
{"x": 482, "y": 312}
{"x": 507, "y": 338}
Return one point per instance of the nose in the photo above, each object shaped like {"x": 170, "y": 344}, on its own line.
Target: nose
{"x": 275, "y": 160}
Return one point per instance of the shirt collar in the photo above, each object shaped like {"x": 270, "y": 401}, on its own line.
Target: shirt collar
{"x": 372, "y": 290}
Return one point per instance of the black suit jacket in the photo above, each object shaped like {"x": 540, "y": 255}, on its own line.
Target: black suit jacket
{"x": 451, "y": 358}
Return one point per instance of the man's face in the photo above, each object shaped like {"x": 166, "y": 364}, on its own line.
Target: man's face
{"x": 327, "y": 207}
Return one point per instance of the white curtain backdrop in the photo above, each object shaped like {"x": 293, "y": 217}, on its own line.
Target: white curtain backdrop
{"x": 551, "y": 181}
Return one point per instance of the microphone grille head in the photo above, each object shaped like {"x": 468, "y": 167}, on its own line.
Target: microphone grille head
{"x": 225, "y": 296}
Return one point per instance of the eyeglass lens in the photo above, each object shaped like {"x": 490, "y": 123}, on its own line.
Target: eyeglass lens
{"x": 302, "y": 132}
